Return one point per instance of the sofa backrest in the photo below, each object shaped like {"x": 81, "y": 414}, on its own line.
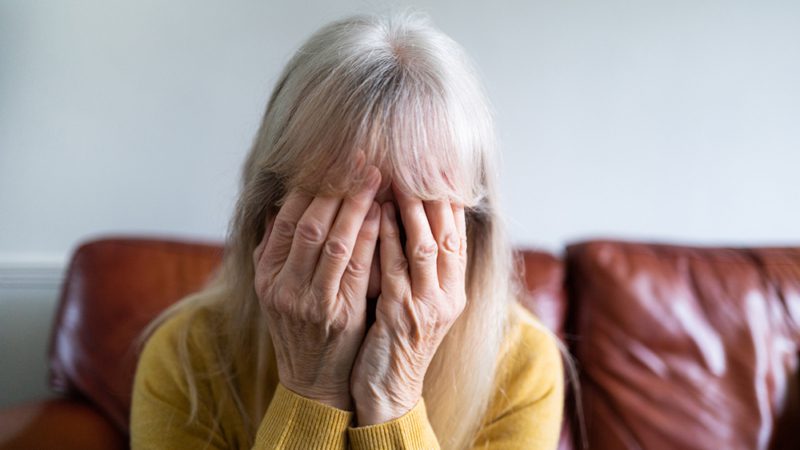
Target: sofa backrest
{"x": 542, "y": 277}
{"x": 113, "y": 288}
{"x": 683, "y": 347}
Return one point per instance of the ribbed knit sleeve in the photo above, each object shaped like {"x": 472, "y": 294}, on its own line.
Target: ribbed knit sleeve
{"x": 409, "y": 431}
{"x": 295, "y": 422}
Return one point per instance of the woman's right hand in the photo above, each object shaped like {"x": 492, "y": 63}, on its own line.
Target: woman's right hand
{"x": 312, "y": 269}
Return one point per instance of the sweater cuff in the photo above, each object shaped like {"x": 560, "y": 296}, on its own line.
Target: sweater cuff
{"x": 293, "y": 422}
{"x": 409, "y": 431}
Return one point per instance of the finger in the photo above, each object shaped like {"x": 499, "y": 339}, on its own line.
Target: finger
{"x": 394, "y": 266}
{"x": 259, "y": 250}
{"x": 309, "y": 237}
{"x": 443, "y": 227}
{"x": 355, "y": 280}
{"x": 461, "y": 225}
{"x": 421, "y": 248}
{"x": 460, "y": 219}
{"x": 338, "y": 247}
{"x": 277, "y": 248}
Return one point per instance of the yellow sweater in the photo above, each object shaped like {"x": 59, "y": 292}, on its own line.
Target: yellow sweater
{"x": 525, "y": 411}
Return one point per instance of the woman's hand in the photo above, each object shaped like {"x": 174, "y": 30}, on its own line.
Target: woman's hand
{"x": 422, "y": 294}
{"x": 311, "y": 274}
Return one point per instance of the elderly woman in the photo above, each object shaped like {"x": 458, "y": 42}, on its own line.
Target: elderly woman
{"x": 366, "y": 298}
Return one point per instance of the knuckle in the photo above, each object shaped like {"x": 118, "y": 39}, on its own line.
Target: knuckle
{"x": 461, "y": 306}
{"x": 448, "y": 315}
{"x": 336, "y": 249}
{"x": 391, "y": 232}
{"x": 444, "y": 321}
{"x": 283, "y": 228}
{"x": 310, "y": 231}
{"x": 357, "y": 268}
{"x": 398, "y": 265}
{"x": 281, "y": 301}
{"x": 316, "y": 316}
{"x": 340, "y": 322}
{"x": 451, "y": 243}
{"x": 425, "y": 251}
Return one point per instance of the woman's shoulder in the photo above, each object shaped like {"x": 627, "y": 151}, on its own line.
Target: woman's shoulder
{"x": 530, "y": 365}
{"x": 526, "y": 408}
{"x": 175, "y": 390}
{"x": 181, "y": 338}
{"x": 528, "y": 338}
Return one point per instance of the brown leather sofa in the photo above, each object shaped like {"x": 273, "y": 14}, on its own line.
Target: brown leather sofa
{"x": 677, "y": 347}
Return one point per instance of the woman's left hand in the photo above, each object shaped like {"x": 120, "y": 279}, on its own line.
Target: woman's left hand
{"x": 422, "y": 295}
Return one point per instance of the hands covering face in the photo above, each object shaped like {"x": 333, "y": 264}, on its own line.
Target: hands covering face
{"x": 312, "y": 271}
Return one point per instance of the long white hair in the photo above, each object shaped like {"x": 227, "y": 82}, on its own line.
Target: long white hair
{"x": 408, "y": 96}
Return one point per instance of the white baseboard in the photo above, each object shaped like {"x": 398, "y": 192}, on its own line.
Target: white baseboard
{"x": 31, "y": 275}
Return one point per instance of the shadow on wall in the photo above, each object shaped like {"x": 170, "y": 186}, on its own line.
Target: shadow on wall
{"x": 26, "y": 317}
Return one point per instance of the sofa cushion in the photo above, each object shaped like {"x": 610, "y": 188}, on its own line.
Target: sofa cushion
{"x": 691, "y": 348}
{"x": 58, "y": 424}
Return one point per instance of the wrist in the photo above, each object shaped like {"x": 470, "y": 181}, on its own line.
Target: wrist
{"x": 373, "y": 413}
{"x": 376, "y": 416}
{"x": 338, "y": 401}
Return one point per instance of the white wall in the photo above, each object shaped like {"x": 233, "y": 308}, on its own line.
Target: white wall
{"x": 672, "y": 120}
{"x": 676, "y": 121}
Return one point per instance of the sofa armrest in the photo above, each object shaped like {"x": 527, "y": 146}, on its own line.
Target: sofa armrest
{"x": 57, "y": 423}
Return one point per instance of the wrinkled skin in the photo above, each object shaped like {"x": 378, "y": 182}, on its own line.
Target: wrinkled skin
{"x": 422, "y": 294}
{"x": 319, "y": 261}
